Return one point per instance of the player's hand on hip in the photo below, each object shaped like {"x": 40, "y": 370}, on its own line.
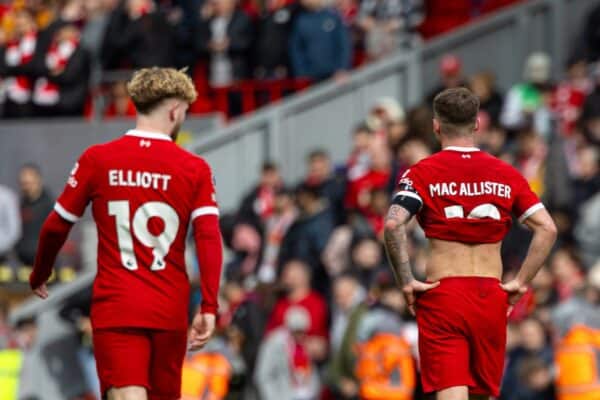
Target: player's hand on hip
{"x": 515, "y": 290}
{"x": 41, "y": 291}
{"x": 203, "y": 327}
{"x": 411, "y": 289}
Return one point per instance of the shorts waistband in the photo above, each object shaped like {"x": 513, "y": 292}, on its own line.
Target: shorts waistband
{"x": 467, "y": 281}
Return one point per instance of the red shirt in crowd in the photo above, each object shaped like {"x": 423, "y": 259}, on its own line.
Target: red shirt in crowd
{"x": 314, "y": 304}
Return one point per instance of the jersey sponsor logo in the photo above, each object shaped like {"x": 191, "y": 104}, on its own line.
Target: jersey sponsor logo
{"x": 143, "y": 179}
{"x": 145, "y": 143}
{"x": 469, "y": 189}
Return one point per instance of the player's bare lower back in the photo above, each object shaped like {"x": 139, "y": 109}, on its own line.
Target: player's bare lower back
{"x": 463, "y": 259}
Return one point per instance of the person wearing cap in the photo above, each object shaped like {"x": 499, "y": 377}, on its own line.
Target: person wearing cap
{"x": 451, "y": 75}
{"x": 526, "y": 99}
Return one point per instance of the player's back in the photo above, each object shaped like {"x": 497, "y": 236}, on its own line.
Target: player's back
{"x": 144, "y": 191}
{"x": 468, "y": 198}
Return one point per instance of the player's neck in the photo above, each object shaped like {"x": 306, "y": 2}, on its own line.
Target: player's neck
{"x": 146, "y": 124}
{"x": 458, "y": 142}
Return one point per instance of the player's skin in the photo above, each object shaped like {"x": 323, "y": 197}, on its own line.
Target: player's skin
{"x": 448, "y": 259}
{"x": 167, "y": 117}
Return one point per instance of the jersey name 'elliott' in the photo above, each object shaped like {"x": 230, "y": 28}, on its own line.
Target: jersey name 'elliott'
{"x": 143, "y": 179}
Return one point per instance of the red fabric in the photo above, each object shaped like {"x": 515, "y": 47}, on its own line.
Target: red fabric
{"x": 472, "y": 183}
{"x": 53, "y": 235}
{"x": 462, "y": 335}
{"x": 314, "y": 304}
{"x": 19, "y": 53}
{"x": 151, "y": 187}
{"x": 372, "y": 180}
{"x": 567, "y": 101}
{"x": 141, "y": 357}
{"x": 111, "y": 111}
{"x": 57, "y": 58}
{"x": 209, "y": 248}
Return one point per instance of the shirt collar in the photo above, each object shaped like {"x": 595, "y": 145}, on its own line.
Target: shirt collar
{"x": 459, "y": 148}
{"x": 149, "y": 135}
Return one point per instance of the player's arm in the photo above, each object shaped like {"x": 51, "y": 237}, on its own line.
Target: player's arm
{"x": 53, "y": 235}
{"x": 69, "y": 207}
{"x": 544, "y": 235}
{"x": 532, "y": 213}
{"x": 209, "y": 249}
{"x": 405, "y": 204}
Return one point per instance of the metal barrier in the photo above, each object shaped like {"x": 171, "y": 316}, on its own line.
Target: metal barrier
{"x": 324, "y": 115}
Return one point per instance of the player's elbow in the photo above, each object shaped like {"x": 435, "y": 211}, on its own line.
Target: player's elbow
{"x": 391, "y": 225}
{"x": 548, "y": 230}
{"x": 551, "y": 230}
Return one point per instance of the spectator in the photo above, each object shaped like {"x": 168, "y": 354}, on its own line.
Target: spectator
{"x": 119, "y": 102}
{"x": 591, "y": 35}
{"x": 587, "y": 230}
{"x": 62, "y": 88}
{"x": 271, "y": 48}
{"x": 587, "y": 182}
{"x": 528, "y": 100}
{"x": 277, "y": 225}
{"x": 320, "y": 175}
{"x": 367, "y": 261}
{"x": 295, "y": 281}
{"x": 568, "y": 274}
{"x": 284, "y": 370}
{"x": 451, "y": 74}
{"x": 569, "y": 96}
{"x": 307, "y": 237}
{"x": 36, "y": 204}
{"x": 490, "y": 100}
{"x": 224, "y": 37}
{"x": 258, "y": 205}
{"x": 137, "y": 35}
{"x": 389, "y": 25}
{"x": 536, "y": 377}
{"x": 347, "y": 311}
{"x": 320, "y": 45}
{"x": 590, "y": 118}
{"x": 10, "y": 223}
{"x": 534, "y": 344}
{"x": 16, "y": 66}
{"x": 97, "y": 14}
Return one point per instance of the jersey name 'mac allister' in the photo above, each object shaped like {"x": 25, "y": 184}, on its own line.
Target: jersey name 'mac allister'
{"x": 469, "y": 189}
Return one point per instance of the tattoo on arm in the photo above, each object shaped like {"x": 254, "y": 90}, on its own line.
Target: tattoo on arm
{"x": 396, "y": 244}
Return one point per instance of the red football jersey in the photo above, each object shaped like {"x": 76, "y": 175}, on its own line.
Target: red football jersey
{"x": 145, "y": 190}
{"x": 467, "y": 195}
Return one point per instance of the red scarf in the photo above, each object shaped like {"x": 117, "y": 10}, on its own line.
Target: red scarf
{"x": 47, "y": 93}
{"x": 19, "y": 52}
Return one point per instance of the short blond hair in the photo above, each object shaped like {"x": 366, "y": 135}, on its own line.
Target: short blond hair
{"x": 150, "y": 86}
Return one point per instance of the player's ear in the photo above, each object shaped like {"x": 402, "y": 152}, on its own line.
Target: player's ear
{"x": 476, "y": 128}
{"x": 436, "y": 126}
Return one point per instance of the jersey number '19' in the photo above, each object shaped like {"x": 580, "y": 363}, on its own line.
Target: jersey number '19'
{"x": 159, "y": 244}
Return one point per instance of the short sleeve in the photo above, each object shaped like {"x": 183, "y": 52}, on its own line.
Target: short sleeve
{"x": 526, "y": 202}
{"x": 71, "y": 204}
{"x": 409, "y": 186}
{"x": 205, "y": 200}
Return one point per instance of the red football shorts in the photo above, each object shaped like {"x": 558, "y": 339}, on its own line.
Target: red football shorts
{"x": 141, "y": 357}
{"x": 462, "y": 335}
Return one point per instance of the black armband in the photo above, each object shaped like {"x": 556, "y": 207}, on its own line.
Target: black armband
{"x": 409, "y": 200}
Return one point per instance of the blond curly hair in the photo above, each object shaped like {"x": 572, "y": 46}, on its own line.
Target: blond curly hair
{"x": 150, "y": 86}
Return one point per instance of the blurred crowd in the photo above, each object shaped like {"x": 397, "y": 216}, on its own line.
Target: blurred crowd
{"x": 59, "y": 57}
{"x": 308, "y": 307}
